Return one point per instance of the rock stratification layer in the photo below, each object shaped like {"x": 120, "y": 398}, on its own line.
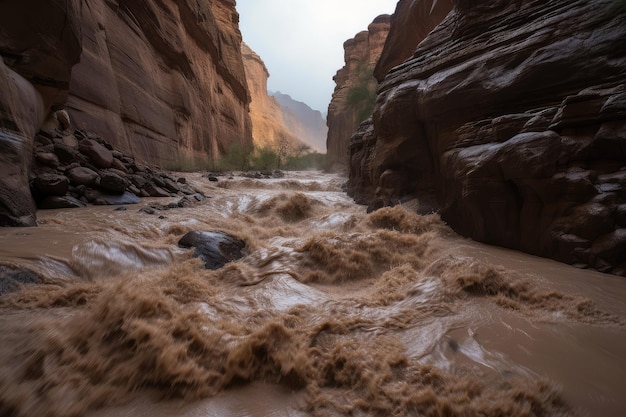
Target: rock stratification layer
{"x": 268, "y": 128}
{"x": 354, "y": 94}
{"x": 164, "y": 81}
{"x": 510, "y": 119}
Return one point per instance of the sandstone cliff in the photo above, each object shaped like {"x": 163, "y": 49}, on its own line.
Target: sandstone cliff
{"x": 161, "y": 81}
{"x": 307, "y": 124}
{"x": 354, "y": 94}
{"x": 37, "y": 52}
{"x": 268, "y": 128}
{"x": 510, "y": 119}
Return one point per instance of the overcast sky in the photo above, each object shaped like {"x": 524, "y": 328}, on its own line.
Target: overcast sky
{"x": 301, "y": 41}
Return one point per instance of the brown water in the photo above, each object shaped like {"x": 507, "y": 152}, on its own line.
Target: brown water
{"x": 333, "y": 312}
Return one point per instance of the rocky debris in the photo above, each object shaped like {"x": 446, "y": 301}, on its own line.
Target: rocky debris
{"x": 12, "y": 278}
{"x": 264, "y": 174}
{"x": 483, "y": 126}
{"x": 183, "y": 202}
{"x": 89, "y": 170}
{"x": 215, "y": 249}
{"x": 353, "y": 98}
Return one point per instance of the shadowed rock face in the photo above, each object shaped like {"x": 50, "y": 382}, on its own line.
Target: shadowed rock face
{"x": 37, "y": 52}
{"x": 421, "y": 16}
{"x": 162, "y": 81}
{"x": 510, "y": 119}
{"x": 355, "y": 89}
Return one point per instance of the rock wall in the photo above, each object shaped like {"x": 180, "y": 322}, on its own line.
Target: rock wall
{"x": 162, "y": 81}
{"x": 355, "y": 90}
{"x": 37, "y": 52}
{"x": 268, "y": 127}
{"x": 421, "y": 16}
{"x": 510, "y": 119}
{"x": 307, "y": 124}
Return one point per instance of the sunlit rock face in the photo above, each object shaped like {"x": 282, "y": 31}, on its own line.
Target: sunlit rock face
{"x": 268, "y": 127}
{"x": 307, "y": 124}
{"x": 510, "y": 120}
{"x": 355, "y": 90}
{"x": 39, "y": 44}
{"x": 162, "y": 81}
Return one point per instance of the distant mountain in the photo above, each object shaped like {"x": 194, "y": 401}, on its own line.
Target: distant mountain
{"x": 307, "y": 124}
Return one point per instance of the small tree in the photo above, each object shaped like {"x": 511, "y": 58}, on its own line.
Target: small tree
{"x": 265, "y": 159}
{"x": 237, "y": 157}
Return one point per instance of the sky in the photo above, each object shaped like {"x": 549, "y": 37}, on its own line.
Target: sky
{"x": 301, "y": 41}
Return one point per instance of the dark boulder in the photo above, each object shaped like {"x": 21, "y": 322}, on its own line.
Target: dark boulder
{"x": 215, "y": 249}
{"x": 82, "y": 176}
{"x": 12, "y": 278}
{"x": 58, "y": 202}
{"x": 101, "y": 156}
{"x": 112, "y": 183}
{"x": 51, "y": 184}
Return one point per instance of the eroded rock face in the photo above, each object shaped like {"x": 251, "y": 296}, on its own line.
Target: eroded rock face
{"x": 354, "y": 95}
{"x": 163, "y": 81}
{"x": 268, "y": 127}
{"x": 421, "y": 16}
{"x": 37, "y": 52}
{"x": 510, "y": 120}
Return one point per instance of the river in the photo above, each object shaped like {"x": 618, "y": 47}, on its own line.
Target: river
{"x": 333, "y": 311}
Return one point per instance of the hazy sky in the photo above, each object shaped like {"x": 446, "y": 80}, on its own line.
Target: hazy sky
{"x": 301, "y": 41}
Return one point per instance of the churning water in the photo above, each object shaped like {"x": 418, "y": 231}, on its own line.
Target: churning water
{"x": 332, "y": 312}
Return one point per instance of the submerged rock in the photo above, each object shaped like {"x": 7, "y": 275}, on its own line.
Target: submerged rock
{"x": 215, "y": 249}
{"x": 12, "y": 278}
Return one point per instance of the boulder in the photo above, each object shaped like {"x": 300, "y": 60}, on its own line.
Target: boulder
{"x": 101, "y": 156}
{"x": 215, "y": 249}
{"x": 47, "y": 158}
{"x": 155, "y": 191}
{"x": 12, "y": 278}
{"x": 59, "y": 202}
{"x": 113, "y": 183}
{"x": 51, "y": 184}
{"x": 82, "y": 176}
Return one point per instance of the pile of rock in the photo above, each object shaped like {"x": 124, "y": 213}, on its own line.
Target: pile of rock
{"x": 73, "y": 169}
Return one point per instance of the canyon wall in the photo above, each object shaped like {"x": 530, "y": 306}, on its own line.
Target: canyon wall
{"x": 510, "y": 120}
{"x": 268, "y": 128}
{"x": 39, "y": 44}
{"x": 355, "y": 90}
{"x": 161, "y": 81}
{"x": 307, "y": 124}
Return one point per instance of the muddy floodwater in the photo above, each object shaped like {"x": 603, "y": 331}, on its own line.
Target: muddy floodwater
{"x": 332, "y": 312}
